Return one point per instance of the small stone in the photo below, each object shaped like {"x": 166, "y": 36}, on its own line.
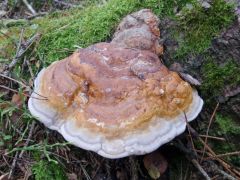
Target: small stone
{"x": 206, "y": 5}
{"x": 2, "y": 13}
{"x": 189, "y": 6}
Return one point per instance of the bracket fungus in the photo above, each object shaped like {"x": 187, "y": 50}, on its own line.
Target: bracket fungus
{"x": 117, "y": 98}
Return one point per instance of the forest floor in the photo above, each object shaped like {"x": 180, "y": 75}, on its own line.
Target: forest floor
{"x": 194, "y": 33}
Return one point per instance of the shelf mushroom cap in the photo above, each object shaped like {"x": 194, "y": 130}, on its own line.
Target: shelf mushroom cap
{"x": 114, "y": 100}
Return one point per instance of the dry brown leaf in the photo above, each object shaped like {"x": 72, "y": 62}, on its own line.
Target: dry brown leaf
{"x": 72, "y": 176}
{"x": 156, "y": 164}
{"x": 4, "y": 177}
{"x": 17, "y": 100}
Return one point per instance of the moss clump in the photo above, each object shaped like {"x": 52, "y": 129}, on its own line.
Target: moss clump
{"x": 82, "y": 28}
{"x": 227, "y": 125}
{"x": 230, "y": 130}
{"x": 199, "y": 25}
{"x": 44, "y": 170}
{"x": 215, "y": 77}
{"x": 63, "y": 31}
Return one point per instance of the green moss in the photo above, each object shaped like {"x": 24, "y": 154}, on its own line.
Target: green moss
{"x": 82, "y": 28}
{"x": 228, "y": 128}
{"x": 63, "y": 31}
{"x": 171, "y": 7}
{"x": 215, "y": 77}
{"x": 44, "y": 170}
{"x": 199, "y": 25}
{"x": 227, "y": 125}
{"x": 93, "y": 24}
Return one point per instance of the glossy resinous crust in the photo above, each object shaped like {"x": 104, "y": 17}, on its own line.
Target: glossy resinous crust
{"x": 117, "y": 98}
{"x": 109, "y": 88}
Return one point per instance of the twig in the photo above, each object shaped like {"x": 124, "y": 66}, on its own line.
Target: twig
{"x": 225, "y": 165}
{"x": 19, "y": 82}
{"x": 65, "y": 4}
{"x": 85, "y": 172}
{"x": 17, "y": 155}
{"x": 215, "y": 168}
{"x": 197, "y": 165}
{"x": 226, "y": 175}
{"x": 211, "y": 153}
{"x": 10, "y": 89}
{"x": 210, "y": 122}
{"x": 212, "y": 137}
{"x": 189, "y": 132}
{"x": 133, "y": 168}
{"x": 30, "y": 69}
{"x": 189, "y": 154}
{"x": 223, "y": 155}
{"x": 37, "y": 15}
{"x": 27, "y": 95}
{"x": 28, "y": 138}
{"x": 22, "y": 49}
{"x": 13, "y": 165}
{"x": 30, "y": 8}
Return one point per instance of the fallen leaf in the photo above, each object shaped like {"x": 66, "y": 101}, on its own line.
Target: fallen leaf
{"x": 4, "y": 177}
{"x": 156, "y": 164}
{"x": 72, "y": 176}
{"x": 17, "y": 100}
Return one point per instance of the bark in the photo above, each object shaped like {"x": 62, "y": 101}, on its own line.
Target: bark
{"x": 225, "y": 46}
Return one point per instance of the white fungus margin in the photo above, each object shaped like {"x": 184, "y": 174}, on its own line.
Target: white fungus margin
{"x": 159, "y": 132}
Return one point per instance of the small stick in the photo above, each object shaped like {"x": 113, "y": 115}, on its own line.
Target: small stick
{"x": 29, "y": 67}
{"x": 65, "y": 4}
{"x": 190, "y": 155}
{"x": 133, "y": 168}
{"x": 13, "y": 166}
{"x": 197, "y": 165}
{"x": 212, "y": 153}
{"x": 5, "y": 87}
{"x": 37, "y": 15}
{"x": 28, "y": 138}
{"x": 21, "y": 153}
{"x": 30, "y": 8}
{"x": 19, "y": 82}
{"x": 233, "y": 172}
{"x": 223, "y": 155}
{"x": 210, "y": 122}
{"x": 189, "y": 132}
{"x": 213, "y": 137}
{"x": 21, "y": 50}
{"x": 226, "y": 175}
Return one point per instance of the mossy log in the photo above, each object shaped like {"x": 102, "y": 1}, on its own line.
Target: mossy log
{"x": 217, "y": 67}
{"x": 205, "y": 41}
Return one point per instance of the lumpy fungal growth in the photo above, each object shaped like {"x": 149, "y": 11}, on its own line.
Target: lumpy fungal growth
{"x": 116, "y": 98}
